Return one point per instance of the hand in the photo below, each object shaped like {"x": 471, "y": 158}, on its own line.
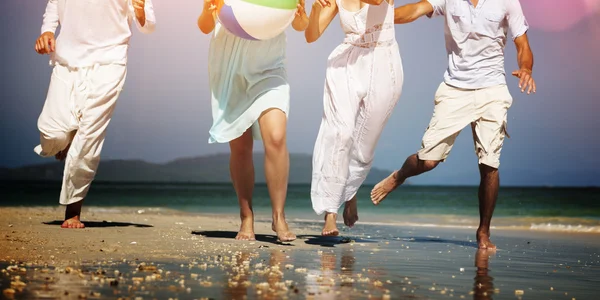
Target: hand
{"x": 213, "y": 7}
{"x": 318, "y": 4}
{"x": 301, "y": 11}
{"x": 45, "y": 44}
{"x": 138, "y": 7}
{"x": 525, "y": 80}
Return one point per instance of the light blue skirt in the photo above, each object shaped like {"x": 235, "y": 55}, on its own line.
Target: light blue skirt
{"x": 246, "y": 78}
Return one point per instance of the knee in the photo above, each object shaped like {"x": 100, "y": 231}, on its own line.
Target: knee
{"x": 487, "y": 171}
{"x": 53, "y": 142}
{"x": 429, "y": 165}
{"x": 241, "y": 148}
{"x": 275, "y": 141}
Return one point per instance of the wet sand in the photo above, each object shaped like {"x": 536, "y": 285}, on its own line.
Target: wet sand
{"x": 141, "y": 253}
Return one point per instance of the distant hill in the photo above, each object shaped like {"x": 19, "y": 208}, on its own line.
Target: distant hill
{"x": 211, "y": 168}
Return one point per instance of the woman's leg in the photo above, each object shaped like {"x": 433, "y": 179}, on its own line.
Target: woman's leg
{"x": 273, "y": 124}
{"x": 241, "y": 169}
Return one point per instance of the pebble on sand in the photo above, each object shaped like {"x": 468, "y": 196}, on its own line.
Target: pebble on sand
{"x": 519, "y": 292}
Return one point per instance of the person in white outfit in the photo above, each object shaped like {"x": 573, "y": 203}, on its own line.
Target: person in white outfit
{"x": 90, "y": 64}
{"x": 474, "y": 92}
{"x": 363, "y": 83}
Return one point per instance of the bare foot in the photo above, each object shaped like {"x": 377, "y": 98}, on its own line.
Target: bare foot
{"x": 280, "y": 227}
{"x": 350, "y": 212}
{"x": 246, "y": 232}
{"x": 72, "y": 214}
{"x": 73, "y": 222}
{"x": 484, "y": 242}
{"x": 330, "y": 228}
{"x": 62, "y": 155}
{"x": 384, "y": 187}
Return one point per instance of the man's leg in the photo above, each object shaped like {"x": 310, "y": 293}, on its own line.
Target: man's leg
{"x": 452, "y": 112}
{"x": 56, "y": 123}
{"x": 97, "y": 90}
{"x": 488, "y": 194}
{"x": 488, "y": 136}
{"x": 57, "y": 127}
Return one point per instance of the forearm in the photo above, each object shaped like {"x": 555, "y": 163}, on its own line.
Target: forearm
{"x": 145, "y": 18}
{"x": 300, "y": 23}
{"x": 313, "y": 32}
{"x": 206, "y": 22}
{"x": 406, "y": 13}
{"x": 525, "y": 58}
{"x": 50, "y": 20}
{"x": 372, "y": 2}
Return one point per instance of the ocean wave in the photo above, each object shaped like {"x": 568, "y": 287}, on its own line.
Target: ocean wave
{"x": 565, "y": 228}
{"x": 574, "y": 225}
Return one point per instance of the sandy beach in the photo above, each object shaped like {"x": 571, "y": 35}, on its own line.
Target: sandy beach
{"x": 145, "y": 253}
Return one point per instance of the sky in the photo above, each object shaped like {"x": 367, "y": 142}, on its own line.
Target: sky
{"x": 164, "y": 111}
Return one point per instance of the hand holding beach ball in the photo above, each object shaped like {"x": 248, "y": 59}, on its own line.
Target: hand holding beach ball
{"x": 257, "y": 19}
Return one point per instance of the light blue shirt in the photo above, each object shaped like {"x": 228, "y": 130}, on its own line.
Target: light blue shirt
{"x": 475, "y": 39}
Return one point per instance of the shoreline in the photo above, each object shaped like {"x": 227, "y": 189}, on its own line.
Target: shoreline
{"x": 125, "y": 232}
{"x": 144, "y": 253}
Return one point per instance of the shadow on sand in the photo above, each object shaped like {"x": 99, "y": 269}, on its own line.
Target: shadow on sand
{"x": 267, "y": 238}
{"x": 96, "y": 224}
{"x": 331, "y": 241}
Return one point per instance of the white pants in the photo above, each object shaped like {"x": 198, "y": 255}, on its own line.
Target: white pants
{"x": 78, "y": 108}
{"x": 358, "y": 100}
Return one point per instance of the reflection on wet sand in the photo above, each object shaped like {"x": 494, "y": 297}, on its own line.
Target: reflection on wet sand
{"x": 483, "y": 288}
{"x": 246, "y": 272}
{"x": 322, "y": 283}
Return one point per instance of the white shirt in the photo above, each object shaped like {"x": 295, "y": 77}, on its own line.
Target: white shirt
{"x": 475, "y": 39}
{"x": 93, "y": 31}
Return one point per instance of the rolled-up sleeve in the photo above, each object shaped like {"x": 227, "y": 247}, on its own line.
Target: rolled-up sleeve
{"x": 439, "y": 7}
{"x": 517, "y": 24}
{"x": 150, "y": 24}
{"x": 50, "y": 19}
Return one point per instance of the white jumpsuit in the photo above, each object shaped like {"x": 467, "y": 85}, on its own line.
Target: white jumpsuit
{"x": 363, "y": 83}
{"x": 89, "y": 62}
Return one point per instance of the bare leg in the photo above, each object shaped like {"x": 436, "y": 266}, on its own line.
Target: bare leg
{"x": 241, "y": 169}
{"x": 488, "y": 194}
{"x": 277, "y": 167}
{"x": 350, "y": 212}
{"x": 72, "y": 216}
{"x": 413, "y": 166}
{"x": 330, "y": 227}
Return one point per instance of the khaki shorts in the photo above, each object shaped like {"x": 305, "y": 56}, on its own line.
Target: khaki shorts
{"x": 485, "y": 109}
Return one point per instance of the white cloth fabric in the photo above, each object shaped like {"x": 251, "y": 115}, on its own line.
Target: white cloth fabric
{"x": 93, "y": 31}
{"x": 363, "y": 83}
{"x": 89, "y": 73}
{"x": 77, "y": 110}
{"x": 476, "y": 37}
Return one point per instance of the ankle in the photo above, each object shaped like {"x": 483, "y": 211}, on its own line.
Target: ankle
{"x": 278, "y": 217}
{"x": 483, "y": 232}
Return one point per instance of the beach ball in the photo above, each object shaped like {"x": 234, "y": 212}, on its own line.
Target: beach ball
{"x": 257, "y": 19}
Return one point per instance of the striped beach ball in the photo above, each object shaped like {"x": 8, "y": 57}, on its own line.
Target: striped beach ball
{"x": 257, "y": 19}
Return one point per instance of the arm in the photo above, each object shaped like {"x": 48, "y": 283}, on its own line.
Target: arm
{"x": 50, "y": 21}
{"x": 410, "y": 12}
{"x": 301, "y": 19}
{"x": 144, "y": 15}
{"x": 45, "y": 42}
{"x": 320, "y": 18}
{"x": 208, "y": 17}
{"x": 525, "y": 61}
{"x": 517, "y": 25}
{"x": 372, "y": 2}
